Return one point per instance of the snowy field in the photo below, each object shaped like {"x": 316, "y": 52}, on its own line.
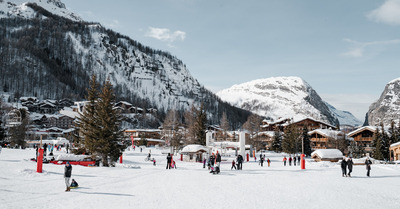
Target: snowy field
{"x": 190, "y": 186}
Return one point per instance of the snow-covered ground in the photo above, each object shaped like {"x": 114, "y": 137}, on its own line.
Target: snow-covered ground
{"x": 190, "y": 186}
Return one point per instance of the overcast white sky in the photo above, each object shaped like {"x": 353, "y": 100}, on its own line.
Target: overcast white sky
{"x": 346, "y": 50}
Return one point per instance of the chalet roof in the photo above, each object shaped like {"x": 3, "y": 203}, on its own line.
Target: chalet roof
{"x": 326, "y": 132}
{"x": 395, "y": 144}
{"x": 318, "y": 121}
{"x": 142, "y": 130}
{"x": 268, "y": 133}
{"x": 150, "y": 140}
{"x": 359, "y": 130}
{"x": 327, "y": 153}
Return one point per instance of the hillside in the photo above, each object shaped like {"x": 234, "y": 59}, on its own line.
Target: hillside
{"x": 50, "y": 53}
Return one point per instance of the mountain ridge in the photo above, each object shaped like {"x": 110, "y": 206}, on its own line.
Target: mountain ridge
{"x": 281, "y": 97}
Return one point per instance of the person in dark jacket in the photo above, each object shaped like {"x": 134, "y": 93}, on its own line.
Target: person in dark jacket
{"x": 368, "y": 165}
{"x": 239, "y": 160}
{"x": 262, "y": 161}
{"x": 290, "y": 160}
{"x": 298, "y": 159}
{"x": 67, "y": 175}
{"x": 218, "y": 159}
{"x": 45, "y": 149}
{"x": 294, "y": 160}
{"x": 169, "y": 161}
{"x": 212, "y": 162}
{"x": 350, "y": 166}
{"x": 74, "y": 183}
{"x": 343, "y": 165}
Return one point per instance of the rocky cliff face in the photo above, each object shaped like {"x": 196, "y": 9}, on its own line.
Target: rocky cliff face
{"x": 279, "y": 97}
{"x": 387, "y": 108}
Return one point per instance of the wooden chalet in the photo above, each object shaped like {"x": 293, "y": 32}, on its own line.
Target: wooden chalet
{"x": 363, "y": 137}
{"x": 320, "y": 138}
{"x": 395, "y": 151}
{"x": 312, "y": 124}
{"x": 152, "y": 136}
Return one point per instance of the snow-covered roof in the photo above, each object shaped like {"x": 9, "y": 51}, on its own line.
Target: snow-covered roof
{"x": 268, "y": 133}
{"x": 69, "y": 112}
{"x": 370, "y": 128}
{"x": 395, "y": 144}
{"x": 150, "y": 140}
{"x": 59, "y": 140}
{"x": 327, "y": 153}
{"x": 309, "y": 118}
{"x": 326, "y": 132}
{"x": 192, "y": 148}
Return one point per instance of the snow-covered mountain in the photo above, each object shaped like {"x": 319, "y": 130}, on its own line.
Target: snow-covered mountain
{"x": 344, "y": 117}
{"x": 20, "y": 8}
{"x": 387, "y": 108}
{"x": 51, "y": 53}
{"x": 280, "y": 97}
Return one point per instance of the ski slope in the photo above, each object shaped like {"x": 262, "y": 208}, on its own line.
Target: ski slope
{"x": 190, "y": 186}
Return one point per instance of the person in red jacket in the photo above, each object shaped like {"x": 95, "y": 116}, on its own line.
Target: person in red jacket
{"x": 269, "y": 162}
{"x": 284, "y": 161}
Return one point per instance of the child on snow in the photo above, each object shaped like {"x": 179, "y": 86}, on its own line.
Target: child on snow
{"x": 154, "y": 162}
{"x": 233, "y": 164}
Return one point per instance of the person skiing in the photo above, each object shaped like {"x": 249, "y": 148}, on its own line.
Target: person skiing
{"x": 154, "y": 162}
{"x": 269, "y": 162}
{"x": 204, "y": 163}
{"x": 350, "y": 166}
{"x": 173, "y": 164}
{"x": 294, "y": 161}
{"x": 67, "y": 148}
{"x": 169, "y": 159}
{"x": 343, "y": 165}
{"x": 233, "y": 164}
{"x": 368, "y": 165}
{"x": 67, "y": 175}
{"x": 284, "y": 161}
{"x": 149, "y": 155}
{"x": 290, "y": 160}
{"x": 262, "y": 161}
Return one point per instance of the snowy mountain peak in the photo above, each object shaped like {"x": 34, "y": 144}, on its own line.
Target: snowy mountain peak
{"x": 29, "y": 9}
{"x": 279, "y": 97}
{"x": 387, "y": 108}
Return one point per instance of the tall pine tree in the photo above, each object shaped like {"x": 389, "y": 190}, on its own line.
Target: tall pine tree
{"x": 109, "y": 144}
{"x": 306, "y": 142}
{"x": 277, "y": 142}
{"x": 201, "y": 125}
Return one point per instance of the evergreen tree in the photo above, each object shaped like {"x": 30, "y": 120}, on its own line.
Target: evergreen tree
{"x": 201, "y": 125}
{"x": 109, "y": 143}
{"x": 306, "y": 142}
{"x": 384, "y": 143}
{"x": 277, "y": 142}
{"x": 88, "y": 122}
{"x": 291, "y": 138}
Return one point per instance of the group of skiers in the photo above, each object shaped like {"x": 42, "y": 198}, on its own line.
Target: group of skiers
{"x": 347, "y": 163}
{"x": 294, "y": 159}
{"x": 262, "y": 159}
{"x": 214, "y": 163}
